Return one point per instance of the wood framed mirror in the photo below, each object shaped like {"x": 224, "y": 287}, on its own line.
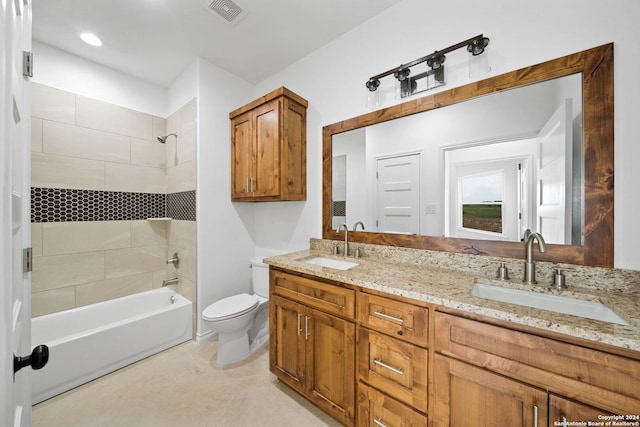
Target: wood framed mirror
{"x": 596, "y": 69}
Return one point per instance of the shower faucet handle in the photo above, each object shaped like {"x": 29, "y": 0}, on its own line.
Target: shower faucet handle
{"x": 175, "y": 260}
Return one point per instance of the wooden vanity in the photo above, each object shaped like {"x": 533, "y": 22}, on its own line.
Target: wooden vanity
{"x": 370, "y": 357}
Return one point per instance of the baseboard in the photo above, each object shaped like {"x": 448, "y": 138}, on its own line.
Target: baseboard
{"x": 204, "y": 337}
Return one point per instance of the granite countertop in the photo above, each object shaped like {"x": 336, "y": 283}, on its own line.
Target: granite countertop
{"x": 451, "y": 288}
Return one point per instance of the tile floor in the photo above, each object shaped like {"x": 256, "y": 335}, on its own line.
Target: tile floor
{"x": 184, "y": 387}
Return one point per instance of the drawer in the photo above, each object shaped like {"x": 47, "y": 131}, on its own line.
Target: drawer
{"x": 594, "y": 377}
{"x": 402, "y": 320}
{"x": 312, "y": 293}
{"x": 376, "y": 409}
{"x": 395, "y": 367}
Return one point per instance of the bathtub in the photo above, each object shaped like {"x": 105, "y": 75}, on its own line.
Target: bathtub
{"x": 88, "y": 342}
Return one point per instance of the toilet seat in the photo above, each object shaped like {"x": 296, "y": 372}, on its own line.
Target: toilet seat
{"x": 230, "y": 307}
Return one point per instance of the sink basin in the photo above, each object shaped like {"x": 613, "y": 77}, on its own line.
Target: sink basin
{"x": 336, "y": 264}
{"x": 565, "y": 305}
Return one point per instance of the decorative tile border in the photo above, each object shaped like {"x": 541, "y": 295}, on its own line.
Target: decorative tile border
{"x": 61, "y": 204}
{"x": 182, "y": 205}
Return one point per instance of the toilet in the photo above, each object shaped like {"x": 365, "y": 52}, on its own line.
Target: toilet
{"x": 242, "y": 321}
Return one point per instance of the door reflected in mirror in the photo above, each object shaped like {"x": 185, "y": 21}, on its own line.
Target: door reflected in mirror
{"x": 487, "y": 168}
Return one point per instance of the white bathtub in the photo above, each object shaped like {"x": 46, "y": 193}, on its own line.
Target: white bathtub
{"x": 88, "y": 342}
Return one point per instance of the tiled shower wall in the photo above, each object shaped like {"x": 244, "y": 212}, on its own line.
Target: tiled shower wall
{"x": 97, "y": 174}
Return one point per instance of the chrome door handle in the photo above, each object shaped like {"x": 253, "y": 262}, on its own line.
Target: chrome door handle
{"x": 535, "y": 416}
{"x": 389, "y": 367}
{"x": 387, "y": 317}
{"x": 306, "y": 328}
{"x": 299, "y": 328}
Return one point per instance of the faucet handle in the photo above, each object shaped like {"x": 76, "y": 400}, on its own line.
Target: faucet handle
{"x": 335, "y": 248}
{"x": 503, "y": 271}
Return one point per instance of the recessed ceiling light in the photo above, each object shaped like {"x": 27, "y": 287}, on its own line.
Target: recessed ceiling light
{"x": 91, "y": 39}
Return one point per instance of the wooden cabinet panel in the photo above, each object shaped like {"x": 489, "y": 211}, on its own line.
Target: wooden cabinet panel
{"x": 287, "y": 350}
{"x": 267, "y": 155}
{"x": 465, "y": 395}
{"x": 242, "y": 155}
{"x": 394, "y": 367}
{"x": 563, "y": 412}
{"x": 310, "y": 350}
{"x": 269, "y": 148}
{"x": 593, "y": 377}
{"x": 402, "y": 320}
{"x": 294, "y": 158}
{"x": 331, "y": 364}
{"x": 376, "y": 409}
{"x": 330, "y": 298}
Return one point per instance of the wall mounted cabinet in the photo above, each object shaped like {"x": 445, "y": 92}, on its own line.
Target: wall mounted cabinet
{"x": 269, "y": 148}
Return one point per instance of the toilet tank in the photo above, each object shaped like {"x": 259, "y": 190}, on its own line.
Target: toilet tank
{"x": 260, "y": 277}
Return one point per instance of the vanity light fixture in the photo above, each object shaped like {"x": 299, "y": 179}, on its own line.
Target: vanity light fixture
{"x": 407, "y": 85}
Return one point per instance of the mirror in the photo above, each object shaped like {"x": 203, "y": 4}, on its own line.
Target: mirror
{"x": 540, "y": 134}
{"x": 474, "y": 169}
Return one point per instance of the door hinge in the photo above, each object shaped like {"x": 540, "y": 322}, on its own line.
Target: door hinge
{"x": 27, "y": 64}
{"x": 27, "y": 260}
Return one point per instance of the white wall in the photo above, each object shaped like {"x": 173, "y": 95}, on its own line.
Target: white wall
{"x": 225, "y": 229}
{"x": 332, "y": 80}
{"x": 56, "y": 68}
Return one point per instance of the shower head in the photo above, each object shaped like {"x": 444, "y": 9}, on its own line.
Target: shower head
{"x": 163, "y": 139}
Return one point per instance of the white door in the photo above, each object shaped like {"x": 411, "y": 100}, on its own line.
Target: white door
{"x": 398, "y": 194}
{"x": 553, "y": 212}
{"x": 15, "y": 297}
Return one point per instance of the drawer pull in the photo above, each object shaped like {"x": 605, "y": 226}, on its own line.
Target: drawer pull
{"x": 387, "y": 317}
{"x": 378, "y": 422}
{"x": 389, "y": 367}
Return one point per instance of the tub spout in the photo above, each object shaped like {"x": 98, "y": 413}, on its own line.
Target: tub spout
{"x": 173, "y": 281}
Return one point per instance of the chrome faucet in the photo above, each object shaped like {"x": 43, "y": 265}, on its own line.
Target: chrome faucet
{"x": 345, "y": 251}
{"x": 355, "y": 226}
{"x": 529, "y": 265}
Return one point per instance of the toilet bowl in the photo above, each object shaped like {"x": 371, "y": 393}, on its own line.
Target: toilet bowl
{"x": 241, "y": 321}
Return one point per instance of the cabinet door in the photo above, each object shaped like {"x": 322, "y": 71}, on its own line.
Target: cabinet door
{"x": 267, "y": 156}
{"x": 562, "y": 412}
{"x": 466, "y": 395}
{"x": 331, "y": 364}
{"x": 242, "y": 149}
{"x": 287, "y": 342}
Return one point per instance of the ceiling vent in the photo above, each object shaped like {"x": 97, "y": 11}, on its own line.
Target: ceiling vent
{"x": 228, "y": 10}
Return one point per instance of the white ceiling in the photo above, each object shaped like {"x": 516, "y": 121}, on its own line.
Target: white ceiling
{"x": 156, "y": 40}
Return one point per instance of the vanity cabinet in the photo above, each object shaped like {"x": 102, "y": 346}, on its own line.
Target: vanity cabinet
{"x": 313, "y": 341}
{"x": 269, "y": 148}
{"x": 392, "y": 362}
{"x": 477, "y": 364}
{"x": 470, "y": 396}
